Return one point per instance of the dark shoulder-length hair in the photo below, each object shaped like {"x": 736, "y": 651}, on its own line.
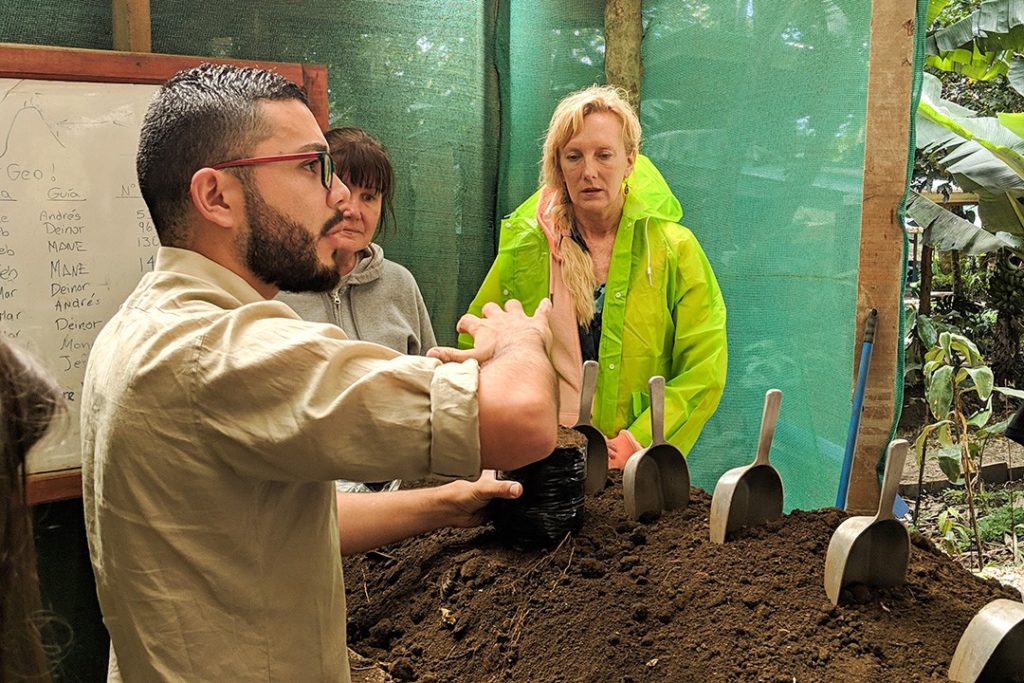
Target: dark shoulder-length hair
{"x": 365, "y": 161}
{"x": 29, "y": 400}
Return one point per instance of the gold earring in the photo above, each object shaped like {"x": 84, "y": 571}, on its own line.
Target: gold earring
{"x": 625, "y": 189}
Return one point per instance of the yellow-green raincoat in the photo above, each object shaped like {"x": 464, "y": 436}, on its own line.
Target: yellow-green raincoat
{"x": 663, "y": 313}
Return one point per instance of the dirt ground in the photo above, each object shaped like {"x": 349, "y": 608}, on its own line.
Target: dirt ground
{"x": 998, "y": 449}
{"x": 624, "y": 602}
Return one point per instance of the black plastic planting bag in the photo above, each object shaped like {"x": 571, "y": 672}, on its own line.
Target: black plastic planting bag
{"x": 552, "y": 502}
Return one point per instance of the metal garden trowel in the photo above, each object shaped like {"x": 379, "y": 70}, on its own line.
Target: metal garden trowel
{"x": 992, "y": 646}
{"x": 871, "y": 550}
{"x": 750, "y": 495}
{"x": 597, "y": 447}
{"x": 656, "y": 478}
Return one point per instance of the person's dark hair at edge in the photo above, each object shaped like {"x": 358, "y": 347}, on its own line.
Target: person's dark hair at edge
{"x": 362, "y": 159}
{"x": 29, "y": 399}
{"x": 202, "y": 116}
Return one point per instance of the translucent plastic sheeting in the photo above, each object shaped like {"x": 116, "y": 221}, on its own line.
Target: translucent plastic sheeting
{"x": 755, "y": 111}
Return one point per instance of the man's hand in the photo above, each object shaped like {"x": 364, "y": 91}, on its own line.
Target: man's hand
{"x": 499, "y": 331}
{"x": 468, "y": 500}
{"x": 370, "y": 520}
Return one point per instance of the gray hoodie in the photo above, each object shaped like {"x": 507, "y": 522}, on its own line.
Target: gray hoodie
{"x": 377, "y": 302}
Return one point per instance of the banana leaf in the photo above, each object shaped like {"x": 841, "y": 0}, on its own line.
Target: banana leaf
{"x": 935, "y": 8}
{"x": 996, "y": 26}
{"x": 1015, "y": 75}
{"x": 972, "y": 63}
{"x": 982, "y": 155}
{"x": 946, "y": 231}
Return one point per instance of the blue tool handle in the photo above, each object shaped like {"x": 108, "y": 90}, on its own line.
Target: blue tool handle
{"x": 858, "y": 407}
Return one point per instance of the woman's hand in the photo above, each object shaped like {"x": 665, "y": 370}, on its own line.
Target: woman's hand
{"x": 620, "y": 448}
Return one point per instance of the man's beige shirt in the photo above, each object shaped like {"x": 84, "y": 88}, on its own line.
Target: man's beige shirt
{"x": 213, "y": 425}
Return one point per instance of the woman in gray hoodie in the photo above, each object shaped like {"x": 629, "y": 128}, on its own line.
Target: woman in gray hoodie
{"x": 376, "y": 300}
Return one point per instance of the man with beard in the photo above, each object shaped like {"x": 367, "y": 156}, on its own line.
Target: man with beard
{"x": 214, "y": 420}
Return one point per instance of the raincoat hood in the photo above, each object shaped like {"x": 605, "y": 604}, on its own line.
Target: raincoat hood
{"x": 649, "y": 197}
{"x": 663, "y": 312}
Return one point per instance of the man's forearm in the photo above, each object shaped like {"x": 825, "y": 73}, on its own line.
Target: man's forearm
{"x": 370, "y": 520}
{"x": 518, "y": 404}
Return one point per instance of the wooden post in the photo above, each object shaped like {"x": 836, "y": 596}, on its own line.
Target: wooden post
{"x": 133, "y": 31}
{"x": 623, "y": 32}
{"x": 886, "y": 149}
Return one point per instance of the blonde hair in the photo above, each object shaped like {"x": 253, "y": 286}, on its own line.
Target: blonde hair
{"x": 566, "y": 123}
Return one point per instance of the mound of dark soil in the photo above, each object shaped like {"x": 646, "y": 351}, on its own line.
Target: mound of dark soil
{"x": 623, "y": 602}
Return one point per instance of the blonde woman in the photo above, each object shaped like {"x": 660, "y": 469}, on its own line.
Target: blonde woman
{"x": 631, "y": 287}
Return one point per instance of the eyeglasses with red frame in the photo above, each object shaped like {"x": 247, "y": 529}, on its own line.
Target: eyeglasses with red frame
{"x": 324, "y": 157}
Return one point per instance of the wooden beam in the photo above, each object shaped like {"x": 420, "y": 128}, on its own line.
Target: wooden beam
{"x": 74, "y": 64}
{"x": 314, "y": 81}
{"x": 133, "y": 31}
{"x": 49, "y": 487}
{"x": 955, "y": 198}
{"x": 623, "y": 32}
{"x": 886, "y": 149}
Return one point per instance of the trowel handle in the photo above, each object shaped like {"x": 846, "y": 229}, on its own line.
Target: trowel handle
{"x": 587, "y": 392}
{"x": 895, "y": 457}
{"x": 657, "y": 386}
{"x": 772, "y": 403}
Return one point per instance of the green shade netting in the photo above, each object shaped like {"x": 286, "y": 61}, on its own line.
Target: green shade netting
{"x": 753, "y": 109}
{"x": 420, "y": 75}
{"x": 755, "y": 113}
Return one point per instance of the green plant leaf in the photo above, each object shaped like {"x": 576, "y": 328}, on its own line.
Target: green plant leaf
{"x": 994, "y": 429}
{"x": 1007, "y": 391}
{"x": 923, "y": 437}
{"x": 967, "y": 348}
{"x": 935, "y": 8}
{"x": 973, "y": 63}
{"x": 980, "y": 153}
{"x": 926, "y": 331}
{"x": 983, "y": 381}
{"x": 950, "y": 466}
{"x": 995, "y": 25}
{"x": 945, "y": 434}
{"x": 1015, "y": 75}
{"x": 1014, "y": 122}
{"x": 987, "y": 132}
{"x": 945, "y": 231}
{"x": 981, "y": 418}
{"x": 945, "y": 343}
{"x": 939, "y": 391}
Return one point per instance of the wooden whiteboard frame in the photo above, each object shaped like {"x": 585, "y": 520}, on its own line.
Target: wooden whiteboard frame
{"x": 39, "y": 62}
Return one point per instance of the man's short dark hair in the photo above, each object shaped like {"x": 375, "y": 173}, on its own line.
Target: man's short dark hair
{"x": 200, "y": 117}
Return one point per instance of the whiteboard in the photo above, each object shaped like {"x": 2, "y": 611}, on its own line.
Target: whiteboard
{"x": 75, "y": 235}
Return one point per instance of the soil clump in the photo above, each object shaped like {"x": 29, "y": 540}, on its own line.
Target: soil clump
{"x": 624, "y": 602}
